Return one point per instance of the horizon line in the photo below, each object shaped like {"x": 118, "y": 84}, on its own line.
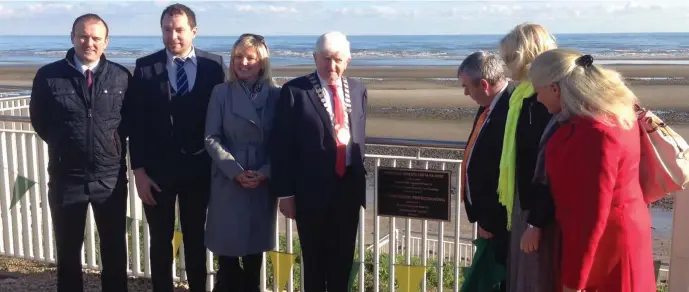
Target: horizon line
{"x": 376, "y": 34}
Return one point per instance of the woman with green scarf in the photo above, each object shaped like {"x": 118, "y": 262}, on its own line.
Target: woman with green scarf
{"x": 529, "y": 206}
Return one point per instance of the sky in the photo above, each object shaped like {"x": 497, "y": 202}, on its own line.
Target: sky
{"x": 133, "y": 18}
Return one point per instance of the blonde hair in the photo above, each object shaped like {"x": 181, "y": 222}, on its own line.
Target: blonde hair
{"x": 522, "y": 45}
{"x": 586, "y": 89}
{"x": 257, "y": 42}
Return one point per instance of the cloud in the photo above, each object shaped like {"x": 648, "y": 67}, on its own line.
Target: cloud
{"x": 557, "y": 10}
{"x": 34, "y": 9}
{"x": 481, "y": 11}
{"x": 500, "y": 9}
{"x": 373, "y": 11}
{"x": 633, "y": 7}
{"x": 358, "y": 17}
{"x": 263, "y": 9}
{"x": 6, "y": 12}
{"x": 384, "y": 10}
{"x": 49, "y": 8}
{"x": 161, "y": 3}
{"x": 122, "y": 4}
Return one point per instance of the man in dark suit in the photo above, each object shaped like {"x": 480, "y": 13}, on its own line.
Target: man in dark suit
{"x": 172, "y": 88}
{"x": 318, "y": 163}
{"x": 483, "y": 79}
{"x": 78, "y": 108}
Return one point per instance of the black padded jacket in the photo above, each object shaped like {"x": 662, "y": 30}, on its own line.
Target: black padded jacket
{"x": 84, "y": 128}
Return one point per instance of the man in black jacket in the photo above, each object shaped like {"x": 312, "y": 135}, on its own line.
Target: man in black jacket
{"x": 76, "y": 107}
{"x": 483, "y": 79}
{"x": 171, "y": 89}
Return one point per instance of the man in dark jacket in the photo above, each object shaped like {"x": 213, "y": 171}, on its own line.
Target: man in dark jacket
{"x": 482, "y": 77}
{"x": 317, "y": 166}
{"x": 76, "y": 108}
{"x": 171, "y": 89}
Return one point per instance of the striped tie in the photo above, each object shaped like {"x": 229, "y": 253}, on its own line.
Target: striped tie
{"x": 182, "y": 82}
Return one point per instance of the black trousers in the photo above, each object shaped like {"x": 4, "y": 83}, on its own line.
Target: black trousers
{"x": 328, "y": 239}
{"x": 193, "y": 192}
{"x": 69, "y": 201}
{"x": 232, "y": 277}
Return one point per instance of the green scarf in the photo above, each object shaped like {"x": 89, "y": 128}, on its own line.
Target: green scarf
{"x": 508, "y": 159}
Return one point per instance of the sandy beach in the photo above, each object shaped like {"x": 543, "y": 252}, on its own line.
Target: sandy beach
{"x": 427, "y": 103}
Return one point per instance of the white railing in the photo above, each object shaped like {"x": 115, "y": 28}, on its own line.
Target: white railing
{"x": 27, "y": 228}
{"x": 466, "y": 249}
{"x": 14, "y": 106}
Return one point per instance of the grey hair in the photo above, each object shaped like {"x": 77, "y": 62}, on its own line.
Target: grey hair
{"x": 482, "y": 65}
{"x": 332, "y": 42}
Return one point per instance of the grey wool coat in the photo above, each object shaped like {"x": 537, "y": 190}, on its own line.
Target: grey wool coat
{"x": 240, "y": 221}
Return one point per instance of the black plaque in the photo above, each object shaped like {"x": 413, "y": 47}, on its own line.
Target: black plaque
{"x": 414, "y": 193}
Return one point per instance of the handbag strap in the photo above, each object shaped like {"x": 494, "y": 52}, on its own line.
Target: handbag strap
{"x": 637, "y": 107}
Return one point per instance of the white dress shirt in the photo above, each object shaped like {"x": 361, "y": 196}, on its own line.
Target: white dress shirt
{"x": 327, "y": 93}
{"x": 491, "y": 107}
{"x": 82, "y": 68}
{"x": 189, "y": 68}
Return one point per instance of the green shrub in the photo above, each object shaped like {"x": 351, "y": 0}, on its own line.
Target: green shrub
{"x": 384, "y": 270}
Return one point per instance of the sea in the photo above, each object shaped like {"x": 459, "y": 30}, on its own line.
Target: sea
{"x": 369, "y": 50}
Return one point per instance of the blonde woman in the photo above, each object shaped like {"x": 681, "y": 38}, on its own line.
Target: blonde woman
{"x": 528, "y": 204}
{"x": 592, "y": 164}
{"x": 241, "y": 211}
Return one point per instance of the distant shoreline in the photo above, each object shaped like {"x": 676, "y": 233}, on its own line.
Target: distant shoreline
{"x": 379, "y": 50}
{"x": 662, "y": 61}
{"x": 404, "y": 77}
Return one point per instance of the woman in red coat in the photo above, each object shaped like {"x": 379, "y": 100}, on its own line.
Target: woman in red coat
{"x": 592, "y": 167}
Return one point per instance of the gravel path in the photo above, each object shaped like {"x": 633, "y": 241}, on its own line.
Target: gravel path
{"x": 32, "y": 276}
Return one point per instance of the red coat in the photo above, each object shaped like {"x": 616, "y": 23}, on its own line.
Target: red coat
{"x": 593, "y": 170}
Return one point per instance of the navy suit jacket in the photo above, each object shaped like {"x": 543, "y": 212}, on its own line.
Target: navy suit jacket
{"x": 156, "y": 141}
{"x": 303, "y": 145}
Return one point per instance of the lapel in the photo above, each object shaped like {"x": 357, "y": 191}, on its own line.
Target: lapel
{"x": 241, "y": 104}
{"x": 161, "y": 74}
{"x": 318, "y": 98}
{"x": 201, "y": 58}
{"x": 500, "y": 110}
{"x": 353, "y": 120}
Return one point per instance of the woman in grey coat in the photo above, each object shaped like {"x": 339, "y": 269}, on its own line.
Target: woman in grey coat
{"x": 241, "y": 212}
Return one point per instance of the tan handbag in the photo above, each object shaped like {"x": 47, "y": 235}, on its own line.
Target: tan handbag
{"x": 664, "y": 167}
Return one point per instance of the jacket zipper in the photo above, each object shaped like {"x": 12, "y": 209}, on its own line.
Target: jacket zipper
{"x": 530, "y": 107}
{"x": 114, "y": 141}
{"x": 89, "y": 123}
{"x": 86, "y": 98}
